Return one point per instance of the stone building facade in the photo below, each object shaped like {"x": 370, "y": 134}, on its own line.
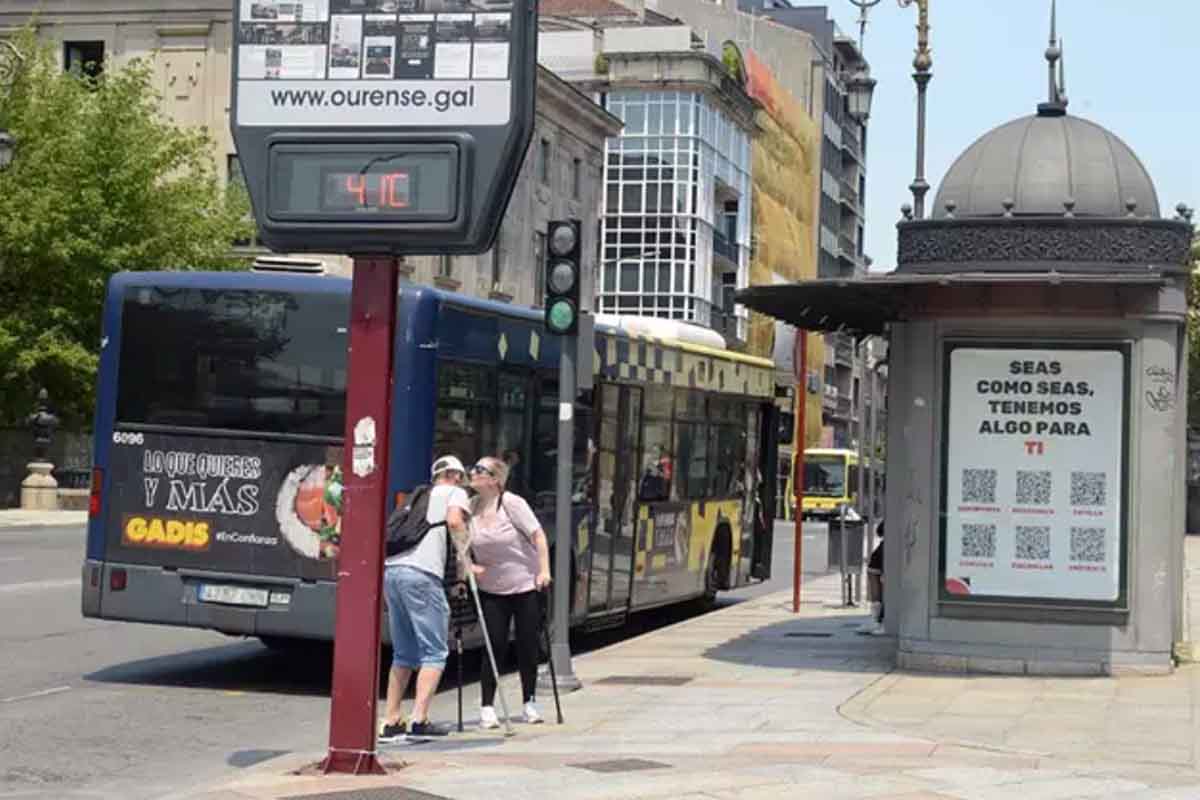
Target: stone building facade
{"x": 188, "y": 44}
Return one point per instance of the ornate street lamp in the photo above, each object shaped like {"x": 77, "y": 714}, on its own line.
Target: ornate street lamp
{"x": 923, "y": 73}
{"x": 860, "y": 88}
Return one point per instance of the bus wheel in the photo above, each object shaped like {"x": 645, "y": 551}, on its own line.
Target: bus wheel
{"x": 715, "y": 571}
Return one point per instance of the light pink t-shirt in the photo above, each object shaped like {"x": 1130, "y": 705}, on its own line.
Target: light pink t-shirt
{"x": 506, "y": 549}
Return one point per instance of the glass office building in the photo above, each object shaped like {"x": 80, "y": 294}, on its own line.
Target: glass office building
{"x": 676, "y": 224}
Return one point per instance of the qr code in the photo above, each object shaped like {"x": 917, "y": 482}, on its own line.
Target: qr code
{"x": 1033, "y": 487}
{"x": 1033, "y": 542}
{"x": 1087, "y": 544}
{"x": 979, "y": 485}
{"x": 1088, "y": 488}
{"x": 979, "y": 541}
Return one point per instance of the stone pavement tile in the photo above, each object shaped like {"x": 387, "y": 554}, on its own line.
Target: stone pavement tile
{"x": 1053, "y": 789}
{"x": 957, "y": 755}
{"x": 921, "y": 795}
{"x": 953, "y": 777}
{"x": 847, "y": 788}
{"x": 991, "y": 703}
{"x": 1175, "y": 793}
{"x": 1150, "y": 753}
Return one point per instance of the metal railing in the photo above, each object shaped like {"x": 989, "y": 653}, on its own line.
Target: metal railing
{"x": 718, "y": 314}
{"x": 851, "y": 141}
{"x": 724, "y": 247}
{"x": 848, "y": 193}
{"x": 847, "y": 246}
{"x": 843, "y": 349}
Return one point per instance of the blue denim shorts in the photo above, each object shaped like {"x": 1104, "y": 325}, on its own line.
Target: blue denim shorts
{"x": 418, "y": 617}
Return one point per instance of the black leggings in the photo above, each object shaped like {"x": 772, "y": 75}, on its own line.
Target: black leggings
{"x": 498, "y": 610}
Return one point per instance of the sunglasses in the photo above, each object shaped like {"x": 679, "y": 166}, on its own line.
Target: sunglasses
{"x": 479, "y": 469}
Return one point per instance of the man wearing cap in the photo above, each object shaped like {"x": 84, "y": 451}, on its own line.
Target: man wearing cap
{"x": 418, "y": 614}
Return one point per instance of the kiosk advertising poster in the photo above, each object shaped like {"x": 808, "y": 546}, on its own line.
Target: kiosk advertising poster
{"x": 1034, "y": 473}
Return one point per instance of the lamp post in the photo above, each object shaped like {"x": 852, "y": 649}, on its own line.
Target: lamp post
{"x": 7, "y": 146}
{"x": 922, "y": 74}
{"x": 10, "y": 61}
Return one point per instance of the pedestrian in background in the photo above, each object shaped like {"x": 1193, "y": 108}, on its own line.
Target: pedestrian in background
{"x": 418, "y": 612}
{"x": 512, "y": 564}
{"x": 874, "y": 626}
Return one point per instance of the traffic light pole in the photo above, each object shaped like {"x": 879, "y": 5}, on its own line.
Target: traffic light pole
{"x": 560, "y": 647}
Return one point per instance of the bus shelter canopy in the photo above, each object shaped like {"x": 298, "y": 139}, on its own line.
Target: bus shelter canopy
{"x": 864, "y": 306}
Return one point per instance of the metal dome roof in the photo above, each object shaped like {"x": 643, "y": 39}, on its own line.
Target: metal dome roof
{"x": 1039, "y": 163}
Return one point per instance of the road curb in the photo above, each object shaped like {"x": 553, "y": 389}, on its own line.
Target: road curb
{"x": 17, "y": 519}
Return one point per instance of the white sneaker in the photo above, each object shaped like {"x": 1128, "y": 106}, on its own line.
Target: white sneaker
{"x": 488, "y": 718}
{"x": 532, "y": 715}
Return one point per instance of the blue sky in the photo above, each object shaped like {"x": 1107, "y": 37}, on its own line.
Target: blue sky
{"x": 1130, "y": 67}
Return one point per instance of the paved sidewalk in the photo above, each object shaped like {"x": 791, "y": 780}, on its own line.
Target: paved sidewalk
{"x": 16, "y": 518}
{"x": 755, "y": 702}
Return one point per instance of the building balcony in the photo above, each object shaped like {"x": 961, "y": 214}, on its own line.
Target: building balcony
{"x": 847, "y": 247}
{"x": 719, "y": 315}
{"x": 724, "y": 248}
{"x": 830, "y": 397}
{"x": 848, "y": 195}
{"x": 851, "y": 143}
{"x": 843, "y": 350}
{"x": 844, "y": 408}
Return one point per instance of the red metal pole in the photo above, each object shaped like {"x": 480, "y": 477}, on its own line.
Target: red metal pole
{"x": 800, "y": 358}
{"x": 360, "y": 562}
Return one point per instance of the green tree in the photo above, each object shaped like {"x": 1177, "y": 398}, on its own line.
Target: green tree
{"x": 101, "y": 182}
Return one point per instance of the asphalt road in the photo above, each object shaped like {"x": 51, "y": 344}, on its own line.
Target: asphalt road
{"x": 105, "y": 709}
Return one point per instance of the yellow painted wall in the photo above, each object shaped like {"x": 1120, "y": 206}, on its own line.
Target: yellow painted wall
{"x": 786, "y": 175}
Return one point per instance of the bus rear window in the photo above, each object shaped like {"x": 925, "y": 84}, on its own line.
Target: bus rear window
{"x": 259, "y": 361}
{"x": 824, "y": 477}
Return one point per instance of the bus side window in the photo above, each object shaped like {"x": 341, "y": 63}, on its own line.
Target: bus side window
{"x": 658, "y": 461}
{"x": 461, "y": 428}
{"x": 692, "y": 447}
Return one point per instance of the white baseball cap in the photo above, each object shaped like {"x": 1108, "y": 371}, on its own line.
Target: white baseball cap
{"x": 447, "y": 464}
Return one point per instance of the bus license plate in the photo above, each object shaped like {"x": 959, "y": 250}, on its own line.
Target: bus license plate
{"x": 233, "y": 595}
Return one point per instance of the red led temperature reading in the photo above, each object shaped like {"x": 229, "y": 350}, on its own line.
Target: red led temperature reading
{"x": 366, "y": 191}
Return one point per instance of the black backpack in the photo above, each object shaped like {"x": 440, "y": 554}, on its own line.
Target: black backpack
{"x": 407, "y": 525}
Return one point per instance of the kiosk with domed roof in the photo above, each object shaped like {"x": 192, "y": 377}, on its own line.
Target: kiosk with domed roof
{"x": 1036, "y": 419}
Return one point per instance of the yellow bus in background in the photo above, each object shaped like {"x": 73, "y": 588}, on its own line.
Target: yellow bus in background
{"x": 830, "y": 481}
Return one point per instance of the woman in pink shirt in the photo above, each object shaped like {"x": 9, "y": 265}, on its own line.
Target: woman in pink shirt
{"x": 512, "y": 564}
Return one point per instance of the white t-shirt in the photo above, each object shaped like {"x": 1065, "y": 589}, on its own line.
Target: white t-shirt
{"x": 430, "y": 555}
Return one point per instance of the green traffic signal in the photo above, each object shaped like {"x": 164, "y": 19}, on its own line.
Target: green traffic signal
{"x": 560, "y": 316}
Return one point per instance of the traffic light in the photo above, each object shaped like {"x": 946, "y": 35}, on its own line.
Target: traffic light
{"x": 564, "y": 276}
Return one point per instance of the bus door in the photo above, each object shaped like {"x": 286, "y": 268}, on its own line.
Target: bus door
{"x": 763, "y": 454}
{"x": 613, "y": 546}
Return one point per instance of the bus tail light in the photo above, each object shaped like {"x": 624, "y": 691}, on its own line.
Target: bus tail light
{"x": 118, "y": 579}
{"x": 94, "y": 496}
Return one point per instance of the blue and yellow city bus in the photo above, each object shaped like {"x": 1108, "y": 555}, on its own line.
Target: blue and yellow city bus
{"x": 216, "y": 491}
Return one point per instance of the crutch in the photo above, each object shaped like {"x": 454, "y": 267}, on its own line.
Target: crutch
{"x": 550, "y": 652}
{"x": 487, "y": 641}
{"x": 458, "y": 645}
